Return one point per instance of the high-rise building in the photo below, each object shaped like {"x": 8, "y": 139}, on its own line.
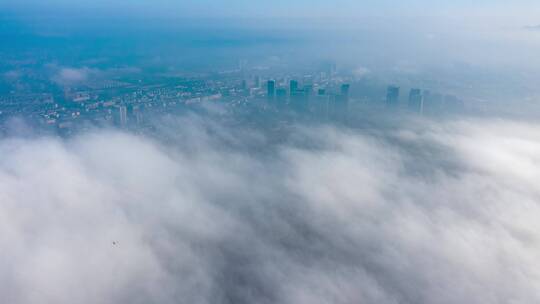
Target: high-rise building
{"x": 345, "y": 89}
{"x": 340, "y": 103}
{"x": 322, "y": 105}
{"x": 271, "y": 89}
{"x": 293, "y": 87}
{"x": 138, "y": 114}
{"x": 392, "y": 96}
{"x": 122, "y": 115}
{"x": 299, "y": 100}
{"x": 308, "y": 91}
{"x": 281, "y": 97}
{"x": 332, "y": 70}
{"x": 432, "y": 102}
{"x": 416, "y": 102}
{"x": 134, "y": 114}
{"x": 257, "y": 81}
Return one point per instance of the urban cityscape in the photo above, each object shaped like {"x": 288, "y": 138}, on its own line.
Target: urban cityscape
{"x": 323, "y": 95}
{"x": 269, "y": 152}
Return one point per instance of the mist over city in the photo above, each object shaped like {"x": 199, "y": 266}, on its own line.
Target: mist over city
{"x": 269, "y": 152}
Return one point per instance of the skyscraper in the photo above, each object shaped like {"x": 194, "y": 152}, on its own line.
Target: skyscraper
{"x": 293, "y": 87}
{"x": 344, "y": 90}
{"x": 281, "y": 97}
{"x": 340, "y": 103}
{"x": 416, "y": 102}
{"x": 308, "y": 91}
{"x": 392, "y": 96}
{"x": 322, "y": 104}
{"x": 138, "y": 114}
{"x": 299, "y": 101}
{"x": 122, "y": 115}
{"x": 332, "y": 70}
{"x": 432, "y": 102}
{"x": 271, "y": 87}
{"x": 134, "y": 114}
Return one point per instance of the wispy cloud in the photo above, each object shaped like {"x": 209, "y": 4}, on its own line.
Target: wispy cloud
{"x": 533, "y": 27}
{"x": 72, "y": 76}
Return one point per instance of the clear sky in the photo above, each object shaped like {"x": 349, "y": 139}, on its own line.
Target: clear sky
{"x": 491, "y": 31}
{"x": 517, "y": 9}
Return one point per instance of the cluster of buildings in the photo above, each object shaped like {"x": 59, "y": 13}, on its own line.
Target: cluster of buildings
{"x": 423, "y": 102}
{"x": 324, "y": 95}
{"x": 333, "y": 99}
{"x": 313, "y": 98}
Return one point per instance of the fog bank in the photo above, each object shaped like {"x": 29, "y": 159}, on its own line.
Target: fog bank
{"x": 432, "y": 213}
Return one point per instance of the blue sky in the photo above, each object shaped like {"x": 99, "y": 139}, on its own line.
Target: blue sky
{"x": 283, "y": 8}
{"x": 414, "y": 15}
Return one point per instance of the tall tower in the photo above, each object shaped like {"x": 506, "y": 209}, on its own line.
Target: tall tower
{"x": 281, "y": 97}
{"x": 416, "y": 101}
{"x": 392, "y": 96}
{"x": 293, "y": 87}
{"x": 345, "y": 90}
{"x": 122, "y": 115}
{"x": 271, "y": 89}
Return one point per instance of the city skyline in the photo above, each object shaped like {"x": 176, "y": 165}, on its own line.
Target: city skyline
{"x": 240, "y": 152}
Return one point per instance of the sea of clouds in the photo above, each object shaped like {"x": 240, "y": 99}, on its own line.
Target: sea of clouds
{"x": 443, "y": 212}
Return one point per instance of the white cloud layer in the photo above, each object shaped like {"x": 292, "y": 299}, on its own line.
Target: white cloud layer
{"x": 448, "y": 214}
{"x": 72, "y": 76}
